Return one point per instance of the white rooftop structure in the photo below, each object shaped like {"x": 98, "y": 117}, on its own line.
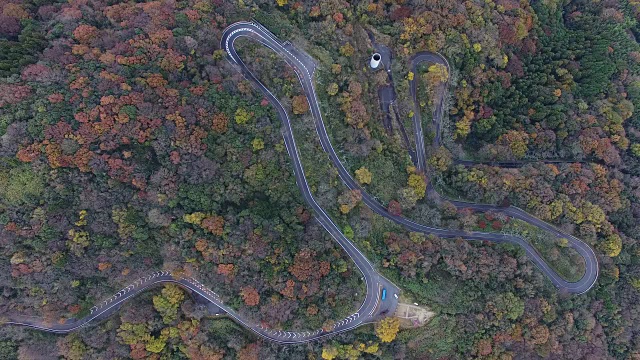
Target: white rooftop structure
{"x": 375, "y": 60}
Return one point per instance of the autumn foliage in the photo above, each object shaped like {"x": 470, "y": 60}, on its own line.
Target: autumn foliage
{"x": 213, "y": 224}
{"x": 131, "y": 111}
{"x": 306, "y": 267}
{"x": 250, "y": 296}
{"x": 85, "y": 33}
{"x": 387, "y": 329}
{"x": 300, "y": 104}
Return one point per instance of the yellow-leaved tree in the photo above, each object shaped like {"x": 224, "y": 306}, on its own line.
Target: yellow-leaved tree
{"x": 242, "y": 116}
{"x": 612, "y": 245}
{"x": 329, "y": 352}
{"x": 418, "y": 184}
{"x": 387, "y": 329}
{"x": 300, "y": 105}
{"x": 441, "y": 160}
{"x": 437, "y": 73}
{"x": 363, "y": 175}
{"x": 168, "y": 303}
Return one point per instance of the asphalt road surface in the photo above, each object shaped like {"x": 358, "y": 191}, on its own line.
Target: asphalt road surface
{"x": 591, "y": 261}
{"x": 304, "y": 68}
{"x": 418, "y": 58}
{"x": 372, "y": 307}
{"x": 385, "y": 94}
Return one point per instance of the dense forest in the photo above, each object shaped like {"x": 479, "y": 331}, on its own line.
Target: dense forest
{"x": 129, "y": 144}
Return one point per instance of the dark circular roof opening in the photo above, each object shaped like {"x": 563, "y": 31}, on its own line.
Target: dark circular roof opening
{"x": 376, "y": 56}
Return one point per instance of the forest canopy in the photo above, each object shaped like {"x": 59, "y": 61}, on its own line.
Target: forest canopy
{"x": 129, "y": 144}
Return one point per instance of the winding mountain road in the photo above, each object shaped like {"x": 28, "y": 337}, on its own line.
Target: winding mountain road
{"x": 418, "y": 58}
{"x": 305, "y": 68}
{"x": 372, "y": 307}
{"x": 113, "y": 304}
{"x": 591, "y": 261}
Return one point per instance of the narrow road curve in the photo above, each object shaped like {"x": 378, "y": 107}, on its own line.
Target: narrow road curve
{"x": 305, "y": 68}
{"x": 113, "y": 304}
{"x": 418, "y": 58}
{"x": 591, "y": 261}
{"x": 387, "y": 95}
{"x": 372, "y": 307}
